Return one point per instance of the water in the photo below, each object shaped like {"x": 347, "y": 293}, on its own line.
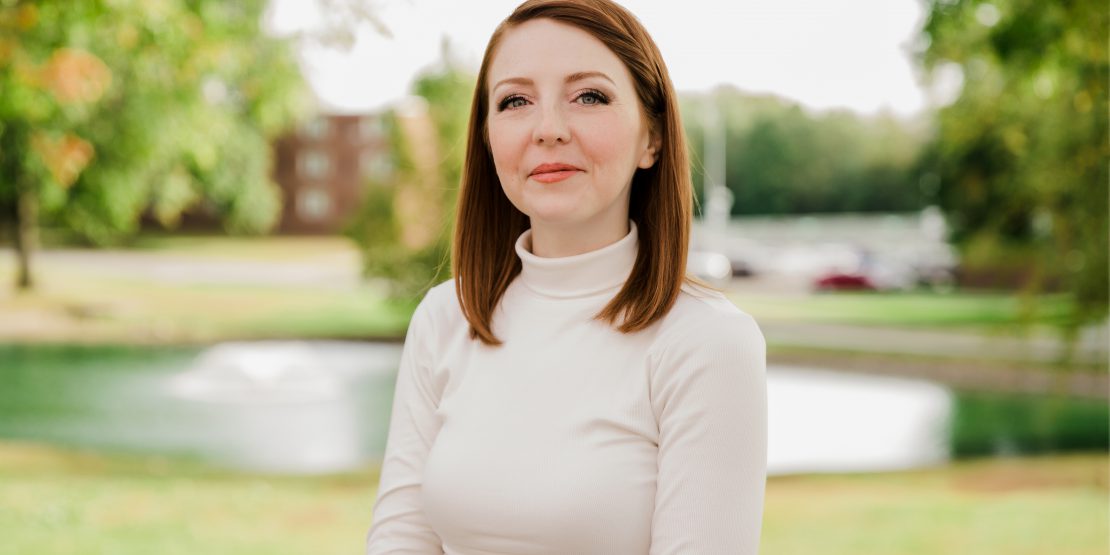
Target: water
{"x": 821, "y": 421}
{"x": 319, "y": 407}
{"x": 288, "y": 407}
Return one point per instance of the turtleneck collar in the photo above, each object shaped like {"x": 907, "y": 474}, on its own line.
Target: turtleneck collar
{"x": 581, "y": 274}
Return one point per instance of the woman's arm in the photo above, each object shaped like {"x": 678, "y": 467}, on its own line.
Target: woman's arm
{"x": 710, "y": 399}
{"x": 399, "y": 524}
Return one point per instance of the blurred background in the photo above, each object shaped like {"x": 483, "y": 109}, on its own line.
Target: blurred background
{"x": 216, "y": 219}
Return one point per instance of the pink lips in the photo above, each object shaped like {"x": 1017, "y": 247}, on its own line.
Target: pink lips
{"x": 550, "y": 173}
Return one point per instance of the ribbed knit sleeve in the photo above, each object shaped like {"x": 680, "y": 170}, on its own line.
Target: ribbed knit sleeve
{"x": 709, "y": 395}
{"x": 399, "y": 524}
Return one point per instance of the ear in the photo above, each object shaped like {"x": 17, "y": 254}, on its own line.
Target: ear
{"x": 651, "y": 153}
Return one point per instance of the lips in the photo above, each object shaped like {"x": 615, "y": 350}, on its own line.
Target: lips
{"x": 552, "y": 173}
{"x": 552, "y": 168}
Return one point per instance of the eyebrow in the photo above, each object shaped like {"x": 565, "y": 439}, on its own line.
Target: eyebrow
{"x": 577, "y": 76}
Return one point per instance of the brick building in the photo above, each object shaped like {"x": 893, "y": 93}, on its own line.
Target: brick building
{"x": 323, "y": 167}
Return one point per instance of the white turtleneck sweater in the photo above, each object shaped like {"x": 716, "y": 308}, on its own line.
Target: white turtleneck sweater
{"x": 572, "y": 438}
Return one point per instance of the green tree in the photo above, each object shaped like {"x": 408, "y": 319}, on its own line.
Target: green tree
{"x": 111, "y": 108}
{"x": 405, "y": 223}
{"x": 1021, "y": 154}
{"x": 783, "y": 159}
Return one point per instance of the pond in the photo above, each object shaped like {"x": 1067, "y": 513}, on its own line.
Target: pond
{"x": 308, "y": 407}
{"x": 288, "y": 407}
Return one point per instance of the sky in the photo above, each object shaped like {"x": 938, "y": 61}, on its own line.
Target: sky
{"x": 854, "y": 54}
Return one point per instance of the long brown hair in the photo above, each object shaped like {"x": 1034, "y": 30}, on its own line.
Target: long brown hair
{"x": 487, "y": 225}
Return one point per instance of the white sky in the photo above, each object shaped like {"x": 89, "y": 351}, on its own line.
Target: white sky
{"x": 845, "y": 54}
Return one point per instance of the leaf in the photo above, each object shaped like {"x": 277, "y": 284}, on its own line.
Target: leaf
{"x": 64, "y": 157}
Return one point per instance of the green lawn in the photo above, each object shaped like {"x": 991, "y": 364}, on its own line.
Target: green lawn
{"x": 87, "y": 301}
{"x": 984, "y": 310}
{"x": 55, "y": 501}
{"x": 61, "y": 502}
{"x": 1026, "y": 506}
{"x": 114, "y": 310}
{"x": 82, "y": 301}
{"x": 265, "y": 248}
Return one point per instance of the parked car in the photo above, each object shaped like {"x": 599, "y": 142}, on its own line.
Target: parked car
{"x": 740, "y": 267}
{"x": 843, "y": 281}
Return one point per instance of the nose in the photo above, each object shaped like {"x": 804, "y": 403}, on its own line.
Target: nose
{"x": 552, "y": 127}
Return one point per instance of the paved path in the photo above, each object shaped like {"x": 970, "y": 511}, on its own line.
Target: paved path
{"x": 336, "y": 269}
{"x": 931, "y": 342}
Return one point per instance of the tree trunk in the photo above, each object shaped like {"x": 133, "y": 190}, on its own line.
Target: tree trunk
{"x": 25, "y": 233}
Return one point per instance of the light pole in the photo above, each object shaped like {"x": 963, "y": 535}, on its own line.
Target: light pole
{"x": 718, "y": 198}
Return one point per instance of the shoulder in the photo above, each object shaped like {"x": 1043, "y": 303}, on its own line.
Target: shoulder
{"x": 441, "y": 296}
{"x": 430, "y": 323}
{"x": 705, "y": 319}
{"x": 708, "y": 312}
{"x": 706, "y": 350}
{"x": 438, "y": 308}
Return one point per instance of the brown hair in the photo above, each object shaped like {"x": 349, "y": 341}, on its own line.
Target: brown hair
{"x": 487, "y": 225}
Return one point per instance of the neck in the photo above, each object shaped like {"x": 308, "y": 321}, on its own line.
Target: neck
{"x": 560, "y": 240}
{"x": 583, "y": 274}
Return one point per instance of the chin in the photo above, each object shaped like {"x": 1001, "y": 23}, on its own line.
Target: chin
{"x": 556, "y": 217}
{"x": 556, "y": 211}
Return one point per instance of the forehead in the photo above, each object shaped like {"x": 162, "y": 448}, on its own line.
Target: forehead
{"x": 543, "y": 49}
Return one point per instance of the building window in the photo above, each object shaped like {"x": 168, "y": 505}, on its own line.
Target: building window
{"x": 313, "y": 204}
{"x": 375, "y": 165}
{"x": 317, "y": 128}
{"x": 371, "y": 128}
{"x": 313, "y": 164}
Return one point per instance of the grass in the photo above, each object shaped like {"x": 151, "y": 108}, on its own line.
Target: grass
{"x": 108, "y": 310}
{"x": 63, "y": 502}
{"x": 86, "y": 301}
{"x": 216, "y": 246}
{"x": 55, "y": 501}
{"x": 1021, "y": 506}
{"x": 986, "y": 310}
{"x": 264, "y": 248}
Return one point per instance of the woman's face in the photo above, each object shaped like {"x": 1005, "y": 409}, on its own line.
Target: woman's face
{"x": 557, "y": 95}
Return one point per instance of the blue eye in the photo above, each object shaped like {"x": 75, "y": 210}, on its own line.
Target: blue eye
{"x": 510, "y": 102}
{"x": 598, "y": 96}
{"x": 516, "y": 101}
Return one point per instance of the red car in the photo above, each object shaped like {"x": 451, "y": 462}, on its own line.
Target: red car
{"x": 839, "y": 281}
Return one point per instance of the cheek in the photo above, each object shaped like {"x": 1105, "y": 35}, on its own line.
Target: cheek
{"x": 504, "y": 145}
{"x": 611, "y": 143}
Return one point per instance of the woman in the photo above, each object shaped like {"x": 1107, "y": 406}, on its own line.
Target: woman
{"x": 571, "y": 390}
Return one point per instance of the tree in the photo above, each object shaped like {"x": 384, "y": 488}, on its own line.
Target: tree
{"x": 405, "y": 224}
{"x": 108, "y": 109}
{"x": 783, "y": 159}
{"x": 1021, "y": 154}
